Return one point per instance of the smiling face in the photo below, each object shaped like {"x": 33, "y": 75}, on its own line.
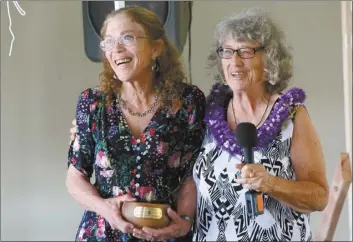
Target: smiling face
{"x": 242, "y": 74}
{"x": 131, "y": 57}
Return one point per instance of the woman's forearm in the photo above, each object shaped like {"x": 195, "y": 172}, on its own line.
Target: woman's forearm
{"x": 84, "y": 192}
{"x": 186, "y": 200}
{"x": 302, "y": 196}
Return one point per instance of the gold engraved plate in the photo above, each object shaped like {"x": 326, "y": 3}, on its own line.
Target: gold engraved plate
{"x": 145, "y": 212}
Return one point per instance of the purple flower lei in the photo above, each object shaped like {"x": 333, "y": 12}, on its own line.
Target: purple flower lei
{"x": 224, "y": 136}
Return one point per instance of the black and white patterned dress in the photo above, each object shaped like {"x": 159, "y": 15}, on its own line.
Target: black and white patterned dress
{"x": 221, "y": 208}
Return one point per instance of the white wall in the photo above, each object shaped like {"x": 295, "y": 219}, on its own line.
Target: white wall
{"x": 48, "y": 68}
{"x": 40, "y": 83}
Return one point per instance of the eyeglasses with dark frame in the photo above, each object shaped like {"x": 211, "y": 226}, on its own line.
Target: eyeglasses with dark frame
{"x": 126, "y": 40}
{"x": 244, "y": 53}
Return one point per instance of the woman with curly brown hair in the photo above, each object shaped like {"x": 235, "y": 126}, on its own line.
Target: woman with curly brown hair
{"x": 139, "y": 132}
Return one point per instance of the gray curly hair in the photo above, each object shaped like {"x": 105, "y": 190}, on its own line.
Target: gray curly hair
{"x": 255, "y": 25}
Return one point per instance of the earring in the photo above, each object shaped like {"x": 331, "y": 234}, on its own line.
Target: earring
{"x": 155, "y": 66}
{"x": 224, "y": 82}
{"x": 272, "y": 82}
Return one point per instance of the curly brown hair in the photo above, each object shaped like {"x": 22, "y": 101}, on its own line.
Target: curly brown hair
{"x": 169, "y": 80}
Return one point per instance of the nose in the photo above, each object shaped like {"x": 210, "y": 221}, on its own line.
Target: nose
{"x": 118, "y": 47}
{"x": 236, "y": 59}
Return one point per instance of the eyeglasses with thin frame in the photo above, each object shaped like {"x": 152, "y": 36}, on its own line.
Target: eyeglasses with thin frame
{"x": 244, "y": 53}
{"x": 126, "y": 40}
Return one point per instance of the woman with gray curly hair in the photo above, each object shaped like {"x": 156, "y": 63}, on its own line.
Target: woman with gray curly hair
{"x": 252, "y": 66}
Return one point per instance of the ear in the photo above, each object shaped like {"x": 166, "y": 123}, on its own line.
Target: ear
{"x": 157, "y": 48}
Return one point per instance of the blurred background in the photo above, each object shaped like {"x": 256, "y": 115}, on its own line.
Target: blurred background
{"x": 49, "y": 67}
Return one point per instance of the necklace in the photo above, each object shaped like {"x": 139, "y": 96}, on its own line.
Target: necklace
{"x": 121, "y": 101}
{"x": 224, "y": 136}
{"x": 235, "y": 119}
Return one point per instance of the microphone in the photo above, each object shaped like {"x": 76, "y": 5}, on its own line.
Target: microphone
{"x": 246, "y": 136}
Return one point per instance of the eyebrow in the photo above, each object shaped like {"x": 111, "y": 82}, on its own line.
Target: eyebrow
{"x": 123, "y": 32}
{"x": 127, "y": 31}
{"x": 226, "y": 46}
{"x": 241, "y": 47}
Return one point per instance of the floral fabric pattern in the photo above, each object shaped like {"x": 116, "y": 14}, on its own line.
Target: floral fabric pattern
{"x": 149, "y": 166}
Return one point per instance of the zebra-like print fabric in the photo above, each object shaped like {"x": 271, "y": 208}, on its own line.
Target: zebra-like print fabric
{"x": 222, "y": 214}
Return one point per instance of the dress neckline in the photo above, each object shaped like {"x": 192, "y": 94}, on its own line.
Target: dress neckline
{"x": 224, "y": 136}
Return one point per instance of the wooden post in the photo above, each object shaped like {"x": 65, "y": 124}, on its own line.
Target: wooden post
{"x": 341, "y": 182}
{"x": 346, "y": 21}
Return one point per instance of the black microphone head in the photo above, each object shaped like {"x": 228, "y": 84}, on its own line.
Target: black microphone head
{"x": 246, "y": 135}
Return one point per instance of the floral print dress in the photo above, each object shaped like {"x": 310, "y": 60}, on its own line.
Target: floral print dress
{"x": 154, "y": 163}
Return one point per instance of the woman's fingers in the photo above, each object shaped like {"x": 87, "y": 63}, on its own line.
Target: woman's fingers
{"x": 141, "y": 234}
{"x": 124, "y": 226}
{"x": 73, "y": 130}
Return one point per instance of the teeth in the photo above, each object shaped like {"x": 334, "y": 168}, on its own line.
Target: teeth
{"x": 237, "y": 73}
{"x": 122, "y": 61}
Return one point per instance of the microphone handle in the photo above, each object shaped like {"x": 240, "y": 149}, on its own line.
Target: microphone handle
{"x": 254, "y": 200}
{"x": 248, "y": 155}
{"x": 254, "y": 203}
